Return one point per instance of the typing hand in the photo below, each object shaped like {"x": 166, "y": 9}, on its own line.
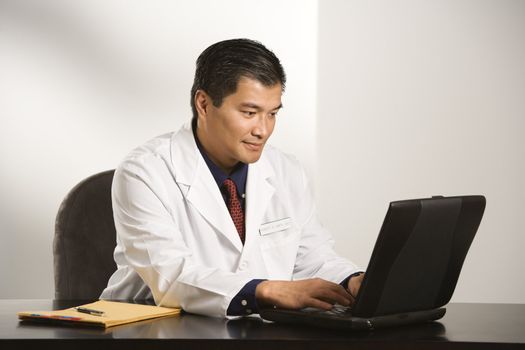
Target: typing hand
{"x": 315, "y": 292}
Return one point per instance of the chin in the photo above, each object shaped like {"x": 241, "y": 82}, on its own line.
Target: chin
{"x": 251, "y": 159}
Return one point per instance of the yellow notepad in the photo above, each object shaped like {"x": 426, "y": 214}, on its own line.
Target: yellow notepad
{"x": 114, "y": 313}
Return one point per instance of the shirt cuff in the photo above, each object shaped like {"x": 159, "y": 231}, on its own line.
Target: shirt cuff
{"x": 344, "y": 283}
{"x": 245, "y": 303}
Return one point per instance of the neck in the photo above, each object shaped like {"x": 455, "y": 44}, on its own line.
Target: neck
{"x": 208, "y": 149}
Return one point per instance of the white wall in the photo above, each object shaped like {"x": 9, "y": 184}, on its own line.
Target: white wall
{"x": 419, "y": 98}
{"x": 84, "y": 82}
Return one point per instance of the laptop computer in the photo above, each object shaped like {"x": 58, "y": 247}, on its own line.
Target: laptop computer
{"x": 413, "y": 270}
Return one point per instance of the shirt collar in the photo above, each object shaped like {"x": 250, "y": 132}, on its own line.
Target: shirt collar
{"x": 239, "y": 173}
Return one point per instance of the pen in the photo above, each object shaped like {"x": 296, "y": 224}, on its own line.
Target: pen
{"x": 57, "y": 317}
{"x": 85, "y": 310}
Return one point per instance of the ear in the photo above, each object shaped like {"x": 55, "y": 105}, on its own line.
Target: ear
{"x": 202, "y": 103}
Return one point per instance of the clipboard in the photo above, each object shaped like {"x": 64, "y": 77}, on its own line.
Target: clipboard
{"x": 113, "y": 314}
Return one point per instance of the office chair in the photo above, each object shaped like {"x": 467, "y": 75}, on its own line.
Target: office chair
{"x": 85, "y": 239}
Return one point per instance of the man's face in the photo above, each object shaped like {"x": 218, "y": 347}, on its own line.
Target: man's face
{"x": 238, "y": 130}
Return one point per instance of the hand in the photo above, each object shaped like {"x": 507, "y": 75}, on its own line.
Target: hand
{"x": 354, "y": 284}
{"x": 315, "y": 292}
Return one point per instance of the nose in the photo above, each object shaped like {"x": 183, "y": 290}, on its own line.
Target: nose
{"x": 262, "y": 127}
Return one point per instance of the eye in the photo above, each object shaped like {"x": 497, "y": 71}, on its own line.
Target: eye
{"x": 249, "y": 113}
{"x": 273, "y": 114}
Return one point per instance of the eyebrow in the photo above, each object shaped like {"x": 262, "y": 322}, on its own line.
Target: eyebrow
{"x": 257, "y": 107}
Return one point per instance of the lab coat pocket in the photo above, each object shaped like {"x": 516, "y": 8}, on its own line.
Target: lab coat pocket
{"x": 279, "y": 250}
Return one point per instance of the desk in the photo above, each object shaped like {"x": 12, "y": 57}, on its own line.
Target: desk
{"x": 465, "y": 326}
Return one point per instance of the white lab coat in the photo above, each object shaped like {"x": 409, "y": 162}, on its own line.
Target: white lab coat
{"x": 176, "y": 241}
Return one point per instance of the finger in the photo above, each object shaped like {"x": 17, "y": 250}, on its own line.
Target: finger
{"x": 323, "y": 294}
{"x": 318, "y": 304}
{"x": 352, "y": 302}
{"x": 336, "y": 288}
{"x": 335, "y": 295}
{"x": 351, "y": 293}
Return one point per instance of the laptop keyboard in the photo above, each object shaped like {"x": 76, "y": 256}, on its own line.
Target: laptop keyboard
{"x": 338, "y": 311}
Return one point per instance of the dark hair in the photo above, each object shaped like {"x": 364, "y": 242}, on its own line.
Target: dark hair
{"x": 221, "y": 65}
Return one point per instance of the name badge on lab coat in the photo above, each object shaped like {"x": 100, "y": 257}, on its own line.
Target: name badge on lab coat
{"x": 275, "y": 226}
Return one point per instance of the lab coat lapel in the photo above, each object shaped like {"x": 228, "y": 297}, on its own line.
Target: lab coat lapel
{"x": 205, "y": 195}
{"x": 259, "y": 192}
{"x": 199, "y": 186}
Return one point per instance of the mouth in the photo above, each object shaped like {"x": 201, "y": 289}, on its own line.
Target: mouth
{"x": 253, "y": 146}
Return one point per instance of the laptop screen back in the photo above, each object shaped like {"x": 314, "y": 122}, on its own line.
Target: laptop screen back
{"x": 419, "y": 254}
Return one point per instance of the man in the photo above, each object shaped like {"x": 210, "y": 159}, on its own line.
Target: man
{"x": 211, "y": 220}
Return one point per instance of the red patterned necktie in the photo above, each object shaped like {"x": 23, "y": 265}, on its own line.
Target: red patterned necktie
{"x": 234, "y": 207}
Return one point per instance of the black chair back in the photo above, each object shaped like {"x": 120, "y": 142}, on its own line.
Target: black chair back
{"x": 85, "y": 239}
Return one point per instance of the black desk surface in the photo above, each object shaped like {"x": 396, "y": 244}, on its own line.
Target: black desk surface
{"x": 465, "y": 326}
